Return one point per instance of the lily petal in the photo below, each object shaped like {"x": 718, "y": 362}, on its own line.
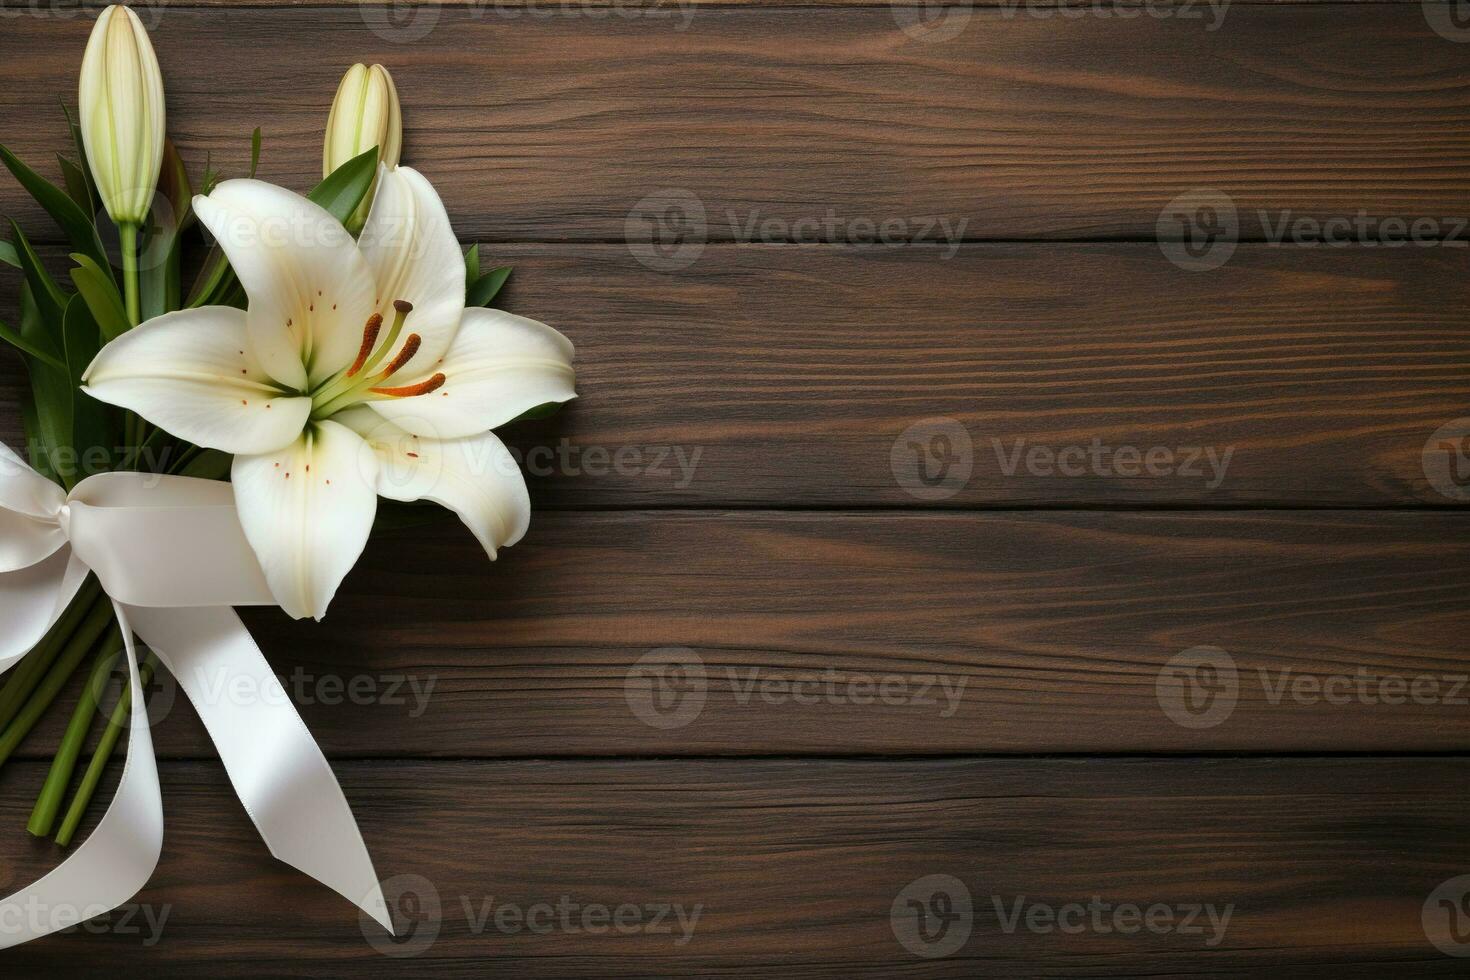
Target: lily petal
{"x": 193, "y": 373}
{"x": 310, "y": 290}
{"x": 307, "y": 511}
{"x": 500, "y": 366}
{"x": 414, "y": 255}
{"x": 475, "y": 477}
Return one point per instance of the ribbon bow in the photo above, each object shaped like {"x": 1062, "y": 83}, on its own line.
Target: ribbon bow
{"x": 171, "y": 556}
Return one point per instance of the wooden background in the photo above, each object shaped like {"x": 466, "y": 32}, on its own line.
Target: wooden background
{"x": 1025, "y": 623}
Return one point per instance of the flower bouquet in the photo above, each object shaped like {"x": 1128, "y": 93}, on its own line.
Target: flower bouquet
{"x": 334, "y": 348}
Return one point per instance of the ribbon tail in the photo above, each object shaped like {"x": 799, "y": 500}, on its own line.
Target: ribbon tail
{"x": 117, "y": 859}
{"x": 278, "y": 771}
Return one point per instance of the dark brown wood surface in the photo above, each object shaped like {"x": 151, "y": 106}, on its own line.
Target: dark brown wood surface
{"x": 1005, "y": 632}
{"x": 779, "y": 376}
{"x": 552, "y": 128}
{"x": 752, "y": 666}
{"x": 789, "y": 868}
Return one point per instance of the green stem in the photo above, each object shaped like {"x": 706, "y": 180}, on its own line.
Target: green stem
{"x": 71, "y": 658}
{"x": 100, "y": 756}
{"x": 128, "y": 237}
{"x": 48, "y": 804}
{"x": 28, "y": 674}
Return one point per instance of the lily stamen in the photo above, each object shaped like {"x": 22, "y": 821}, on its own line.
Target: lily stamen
{"x": 410, "y": 348}
{"x": 411, "y": 391}
{"x": 369, "y": 338}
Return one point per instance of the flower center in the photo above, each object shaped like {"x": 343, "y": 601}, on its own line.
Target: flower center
{"x": 365, "y": 380}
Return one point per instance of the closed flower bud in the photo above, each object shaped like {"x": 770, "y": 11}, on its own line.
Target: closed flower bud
{"x": 365, "y": 114}
{"x": 121, "y": 100}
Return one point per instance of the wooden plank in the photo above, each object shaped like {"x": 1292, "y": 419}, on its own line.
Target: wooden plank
{"x": 770, "y": 376}
{"x": 792, "y": 868}
{"x": 1017, "y": 127}
{"x": 695, "y": 633}
{"x": 580, "y": 7}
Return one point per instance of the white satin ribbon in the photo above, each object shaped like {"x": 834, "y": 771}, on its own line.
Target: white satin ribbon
{"x": 170, "y": 554}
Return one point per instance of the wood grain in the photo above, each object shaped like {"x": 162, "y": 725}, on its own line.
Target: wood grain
{"x": 794, "y": 866}
{"x": 776, "y": 376}
{"x": 784, "y": 682}
{"x": 1013, "y": 632}
{"x": 555, "y": 128}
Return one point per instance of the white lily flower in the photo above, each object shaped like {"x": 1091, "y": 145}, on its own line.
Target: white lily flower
{"x": 356, "y": 371}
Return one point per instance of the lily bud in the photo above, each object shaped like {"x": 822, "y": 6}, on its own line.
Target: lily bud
{"x": 121, "y": 100}
{"x": 365, "y": 114}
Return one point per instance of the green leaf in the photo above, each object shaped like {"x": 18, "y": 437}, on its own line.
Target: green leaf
{"x": 471, "y": 265}
{"x": 73, "y": 221}
{"x": 173, "y": 184}
{"x": 215, "y": 278}
{"x": 343, "y": 190}
{"x": 76, "y": 184}
{"x": 92, "y": 440}
{"x": 211, "y": 464}
{"x": 211, "y": 176}
{"x": 84, "y": 166}
{"x": 254, "y": 151}
{"x": 49, "y": 297}
{"x": 159, "y": 273}
{"x": 17, "y": 341}
{"x": 8, "y": 255}
{"x": 543, "y": 411}
{"x": 35, "y": 446}
{"x": 51, "y": 390}
{"x": 101, "y": 296}
{"x": 486, "y": 287}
